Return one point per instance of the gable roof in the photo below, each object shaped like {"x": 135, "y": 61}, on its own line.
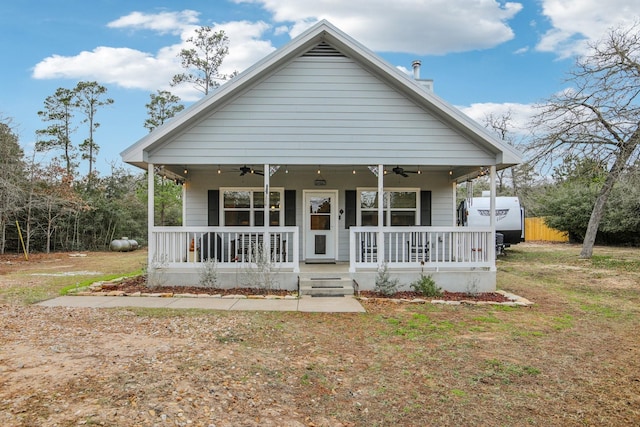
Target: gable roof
{"x": 323, "y": 39}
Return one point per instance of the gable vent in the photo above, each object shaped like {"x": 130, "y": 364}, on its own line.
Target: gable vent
{"x": 323, "y": 49}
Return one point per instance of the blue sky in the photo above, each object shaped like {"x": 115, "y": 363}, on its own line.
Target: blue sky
{"x": 485, "y": 56}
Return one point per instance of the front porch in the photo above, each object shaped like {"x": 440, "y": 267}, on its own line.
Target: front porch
{"x": 457, "y": 258}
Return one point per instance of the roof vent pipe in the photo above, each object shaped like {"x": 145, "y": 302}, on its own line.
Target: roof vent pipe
{"x": 416, "y": 69}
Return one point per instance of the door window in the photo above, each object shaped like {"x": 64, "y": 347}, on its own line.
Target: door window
{"x": 320, "y": 211}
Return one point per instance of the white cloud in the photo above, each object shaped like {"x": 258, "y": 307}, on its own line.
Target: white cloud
{"x": 246, "y": 44}
{"x": 126, "y": 67}
{"x": 132, "y": 68}
{"x": 520, "y": 114}
{"x": 577, "y": 22}
{"x": 163, "y": 22}
{"x": 409, "y": 26}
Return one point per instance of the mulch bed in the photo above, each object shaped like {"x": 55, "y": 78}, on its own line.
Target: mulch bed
{"x": 132, "y": 285}
{"x": 138, "y": 284}
{"x": 446, "y": 296}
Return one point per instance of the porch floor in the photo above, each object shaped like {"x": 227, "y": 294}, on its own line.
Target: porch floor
{"x": 339, "y": 269}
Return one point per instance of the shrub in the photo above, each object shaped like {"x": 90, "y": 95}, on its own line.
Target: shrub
{"x": 209, "y": 273}
{"x": 384, "y": 284}
{"x": 261, "y": 271}
{"x": 156, "y": 272}
{"x": 426, "y": 286}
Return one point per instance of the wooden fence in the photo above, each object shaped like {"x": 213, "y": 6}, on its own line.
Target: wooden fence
{"x": 536, "y": 230}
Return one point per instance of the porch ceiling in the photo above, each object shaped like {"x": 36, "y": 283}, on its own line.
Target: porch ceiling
{"x": 459, "y": 173}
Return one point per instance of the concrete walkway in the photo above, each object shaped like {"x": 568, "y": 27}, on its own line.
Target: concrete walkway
{"x": 305, "y": 304}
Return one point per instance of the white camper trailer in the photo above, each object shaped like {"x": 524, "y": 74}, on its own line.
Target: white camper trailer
{"x": 475, "y": 212}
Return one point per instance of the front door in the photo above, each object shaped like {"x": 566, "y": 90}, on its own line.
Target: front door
{"x": 320, "y": 225}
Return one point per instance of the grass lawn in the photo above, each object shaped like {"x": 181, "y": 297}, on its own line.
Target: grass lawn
{"x": 572, "y": 359}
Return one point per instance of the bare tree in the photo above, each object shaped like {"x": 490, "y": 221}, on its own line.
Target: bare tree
{"x": 501, "y": 125}
{"x": 599, "y": 117}
{"x": 203, "y": 60}
{"x": 54, "y": 196}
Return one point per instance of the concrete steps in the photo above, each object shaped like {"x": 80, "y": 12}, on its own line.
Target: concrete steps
{"x": 319, "y": 286}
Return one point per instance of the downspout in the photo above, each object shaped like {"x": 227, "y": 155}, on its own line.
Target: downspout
{"x": 184, "y": 204}
{"x": 266, "y": 239}
{"x": 380, "y": 242}
{"x": 492, "y": 221}
{"x": 150, "y": 213}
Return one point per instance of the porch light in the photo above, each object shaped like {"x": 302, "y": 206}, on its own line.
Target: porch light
{"x": 186, "y": 171}
{"x": 450, "y": 172}
{"x": 319, "y": 181}
{"x": 353, "y": 172}
{"x": 219, "y": 171}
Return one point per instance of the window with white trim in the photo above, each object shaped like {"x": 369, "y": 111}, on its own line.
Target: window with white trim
{"x": 245, "y": 207}
{"x": 400, "y": 207}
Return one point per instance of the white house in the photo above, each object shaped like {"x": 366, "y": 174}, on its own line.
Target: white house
{"x": 322, "y": 152}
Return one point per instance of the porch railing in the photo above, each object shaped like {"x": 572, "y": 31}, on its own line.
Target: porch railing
{"x": 228, "y": 246}
{"x": 431, "y": 247}
{"x": 398, "y": 247}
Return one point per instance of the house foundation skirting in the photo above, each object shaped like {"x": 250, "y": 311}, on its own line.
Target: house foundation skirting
{"x": 478, "y": 280}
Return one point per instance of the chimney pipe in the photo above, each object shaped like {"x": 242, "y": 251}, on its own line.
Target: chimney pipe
{"x": 416, "y": 69}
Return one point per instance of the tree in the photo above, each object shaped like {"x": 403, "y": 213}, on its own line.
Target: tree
{"x": 621, "y": 223}
{"x": 203, "y": 60}
{"x": 515, "y": 180}
{"x": 58, "y": 110}
{"x": 167, "y": 200}
{"x": 89, "y": 96}
{"x": 598, "y": 118}
{"x": 566, "y": 204}
{"x": 54, "y": 196}
{"x": 162, "y": 107}
{"x": 12, "y": 175}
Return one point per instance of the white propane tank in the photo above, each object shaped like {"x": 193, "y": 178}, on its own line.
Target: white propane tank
{"x": 123, "y": 245}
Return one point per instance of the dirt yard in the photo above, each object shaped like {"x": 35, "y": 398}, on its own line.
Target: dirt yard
{"x": 570, "y": 360}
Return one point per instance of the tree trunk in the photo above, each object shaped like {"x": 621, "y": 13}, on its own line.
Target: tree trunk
{"x": 3, "y": 235}
{"x": 594, "y": 221}
{"x": 598, "y": 210}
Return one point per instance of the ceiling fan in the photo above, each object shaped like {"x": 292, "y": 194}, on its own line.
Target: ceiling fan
{"x": 246, "y": 169}
{"x": 400, "y": 171}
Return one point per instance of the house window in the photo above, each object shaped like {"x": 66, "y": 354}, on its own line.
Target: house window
{"x": 400, "y": 207}
{"x": 245, "y": 207}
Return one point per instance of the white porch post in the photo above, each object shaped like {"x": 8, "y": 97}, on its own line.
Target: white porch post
{"x": 492, "y": 220}
{"x": 150, "y": 212}
{"x": 184, "y": 204}
{"x": 380, "y": 242}
{"x": 454, "y": 190}
{"x": 266, "y": 239}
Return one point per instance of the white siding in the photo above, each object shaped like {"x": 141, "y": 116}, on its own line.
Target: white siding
{"x": 321, "y": 110}
{"x": 442, "y": 212}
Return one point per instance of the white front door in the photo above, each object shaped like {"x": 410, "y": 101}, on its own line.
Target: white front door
{"x": 320, "y": 225}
